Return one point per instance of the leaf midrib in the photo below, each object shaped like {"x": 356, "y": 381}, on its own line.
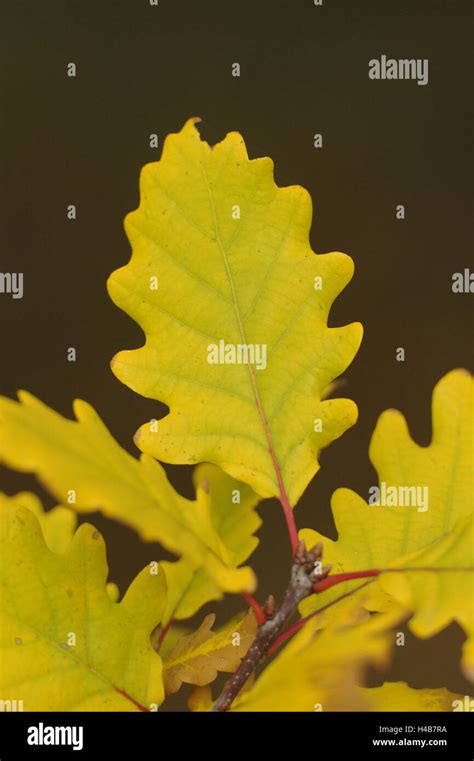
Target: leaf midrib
{"x": 253, "y": 381}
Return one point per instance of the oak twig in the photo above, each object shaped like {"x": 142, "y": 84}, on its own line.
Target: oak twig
{"x": 305, "y": 572}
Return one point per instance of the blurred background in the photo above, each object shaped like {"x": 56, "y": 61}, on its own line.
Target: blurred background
{"x": 143, "y": 69}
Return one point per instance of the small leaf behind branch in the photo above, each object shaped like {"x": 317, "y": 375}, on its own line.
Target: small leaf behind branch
{"x": 197, "y": 658}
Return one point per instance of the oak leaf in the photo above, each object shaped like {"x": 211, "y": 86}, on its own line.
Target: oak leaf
{"x": 82, "y": 459}
{"x": 198, "y": 657}
{"x": 390, "y": 697}
{"x": 377, "y": 537}
{"x": 399, "y": 696}
{"x": 64, "y": 645}
{"x": 190, "y": 587}
{"x": 234, "y": 306}
{"x": 58, "y": 524}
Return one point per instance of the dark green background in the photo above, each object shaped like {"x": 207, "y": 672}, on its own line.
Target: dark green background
{"x": 143, "y": 69}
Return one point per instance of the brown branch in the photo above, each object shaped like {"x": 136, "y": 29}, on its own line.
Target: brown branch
{"x": 305, "y": 572}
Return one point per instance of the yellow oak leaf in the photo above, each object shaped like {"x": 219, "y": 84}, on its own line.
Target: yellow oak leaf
{"x": 444, "y": 592}
{"x": 434, "y": 531}
{"x": 83, "y": 466}
{"x": 399, "y": 696}
{"x": 64, "y": 645}
{"x": 201, "y": 699}
{"x": 234, "y": 306}
{"x": 198, "y": 657}
{"x": 233, "y": 515}
{"x": 58, "y": 524}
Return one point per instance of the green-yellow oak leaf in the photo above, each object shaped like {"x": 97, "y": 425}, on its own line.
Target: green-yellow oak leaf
{"x": 64, "y": 645}
{"x": 221, "y": 260}
{"x": 375, "y": 537}
{"x": 233, "y": 516}
{"x": 83, "y": 466}
{"x": 58, "y": 525}
{"x": 444, "y": 592}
